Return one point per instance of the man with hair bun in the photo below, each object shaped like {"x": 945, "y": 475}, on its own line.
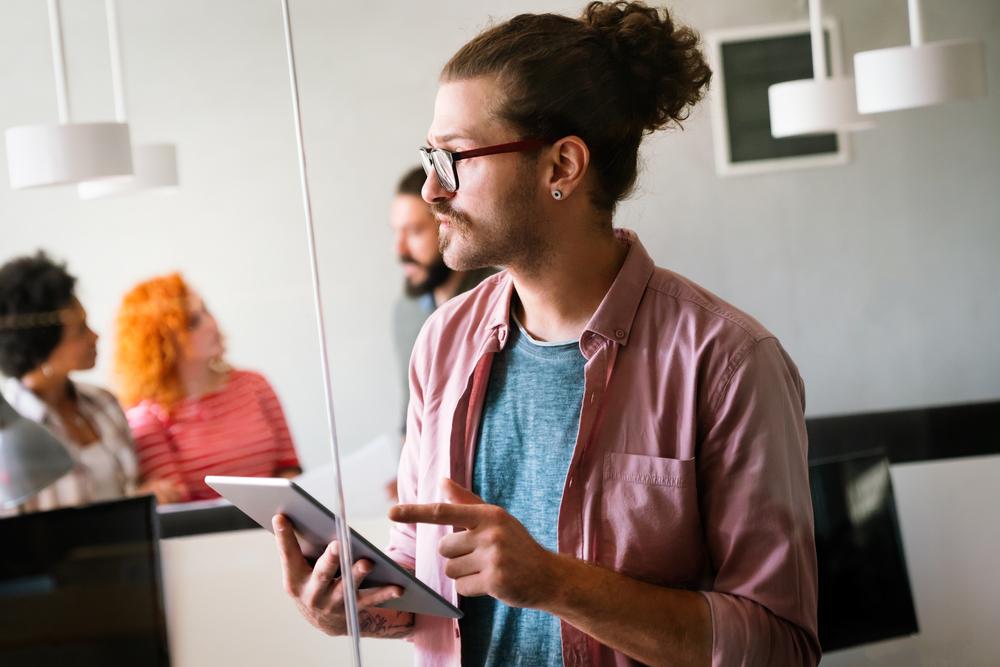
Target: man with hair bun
{"x": 605, "y": 464}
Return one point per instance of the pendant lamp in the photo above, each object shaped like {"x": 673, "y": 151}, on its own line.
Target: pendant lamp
{"x": 921, "y": 74}
{"x": 31, "y": 458}
{"x": 819, "y": 105}
{"x": 39, "y": 155}
{"x": 155, "y": 164}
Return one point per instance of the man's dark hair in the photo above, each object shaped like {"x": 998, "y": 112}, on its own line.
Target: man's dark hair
{"x": 412, "y": 182}
{"x": 32, "y": 291}
{"x": 620, "y": 71}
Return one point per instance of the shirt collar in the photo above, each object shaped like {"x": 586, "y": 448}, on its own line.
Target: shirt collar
{"x": 499, "y": 320}
{"x": 614, "y": 316}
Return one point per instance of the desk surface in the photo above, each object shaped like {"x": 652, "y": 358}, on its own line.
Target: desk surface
{"x": 226, "y": 606}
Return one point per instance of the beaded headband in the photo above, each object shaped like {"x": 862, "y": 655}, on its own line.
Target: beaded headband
{"x": 32, "y": 320}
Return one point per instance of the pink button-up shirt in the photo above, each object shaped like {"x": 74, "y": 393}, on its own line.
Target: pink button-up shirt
{"x": 689, "y": 469}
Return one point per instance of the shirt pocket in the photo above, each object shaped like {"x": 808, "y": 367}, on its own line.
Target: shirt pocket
{"x": 648, "y": 470}
{"x": 651, "y": 525}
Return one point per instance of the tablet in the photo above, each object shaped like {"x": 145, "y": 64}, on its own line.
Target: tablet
{"x": 261, "y": 498}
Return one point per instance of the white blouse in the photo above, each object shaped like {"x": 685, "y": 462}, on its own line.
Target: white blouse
{"x": 103, "y": 470}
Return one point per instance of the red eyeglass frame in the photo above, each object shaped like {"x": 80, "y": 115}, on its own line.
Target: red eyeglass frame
{"x": 430, "y": 164}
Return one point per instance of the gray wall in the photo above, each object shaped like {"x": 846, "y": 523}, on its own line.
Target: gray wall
{"x": 877, "y": 275}
{"x": 880, "y": 276}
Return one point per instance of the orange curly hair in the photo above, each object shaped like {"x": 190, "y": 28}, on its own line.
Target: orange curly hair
{"x": 151, "y": 333}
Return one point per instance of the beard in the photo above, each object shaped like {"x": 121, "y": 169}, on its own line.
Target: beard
{"x": 511, "y": 234}
{"x": 437, "y": 274}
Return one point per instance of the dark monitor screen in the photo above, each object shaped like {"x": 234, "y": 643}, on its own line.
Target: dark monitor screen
{"x": 81, "y": 587}
{"x": 864, "y": 588}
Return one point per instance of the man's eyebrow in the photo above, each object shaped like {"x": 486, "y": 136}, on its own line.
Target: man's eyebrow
{"x": 445, "y": 138}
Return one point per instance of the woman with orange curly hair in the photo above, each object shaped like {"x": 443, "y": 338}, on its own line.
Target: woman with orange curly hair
{"x": 191, "y": 413}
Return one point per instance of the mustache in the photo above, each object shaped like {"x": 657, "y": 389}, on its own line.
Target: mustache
{"x": 444, "y": 209}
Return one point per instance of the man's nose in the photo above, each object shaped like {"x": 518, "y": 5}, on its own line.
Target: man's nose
{"x": 433, "y": 191}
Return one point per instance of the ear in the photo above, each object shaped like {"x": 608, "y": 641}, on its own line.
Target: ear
{"x": 569, "y": 159}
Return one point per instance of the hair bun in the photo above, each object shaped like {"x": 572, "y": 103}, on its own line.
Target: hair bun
{"x": 664, "y": 70}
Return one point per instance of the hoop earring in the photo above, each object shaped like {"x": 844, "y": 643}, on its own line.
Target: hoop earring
{"x": 557, "y": 194}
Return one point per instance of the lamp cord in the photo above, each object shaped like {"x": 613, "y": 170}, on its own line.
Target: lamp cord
{"x": 58, "y": 60}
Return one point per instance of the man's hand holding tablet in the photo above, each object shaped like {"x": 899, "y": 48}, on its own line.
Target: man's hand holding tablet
{"x": 306, "y": 533}
{"x": 319, "y": 593}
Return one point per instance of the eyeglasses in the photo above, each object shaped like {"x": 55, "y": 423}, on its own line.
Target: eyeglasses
{"x": 442, "y": 162}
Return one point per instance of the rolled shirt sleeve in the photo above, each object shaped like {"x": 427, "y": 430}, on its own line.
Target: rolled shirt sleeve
{"x": 758, "y": 514}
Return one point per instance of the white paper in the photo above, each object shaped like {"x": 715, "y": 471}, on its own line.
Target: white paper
{"x": 366, "y": 473}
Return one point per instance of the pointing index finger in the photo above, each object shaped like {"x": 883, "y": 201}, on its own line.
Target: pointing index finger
{"x": 442, "y": 514}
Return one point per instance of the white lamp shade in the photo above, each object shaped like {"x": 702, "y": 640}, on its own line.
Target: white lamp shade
{"x": 40, "y": 155}
{"x": 155, "y": 169}
{"x": 906, "y": 77}
{"x": 814, "y": 106}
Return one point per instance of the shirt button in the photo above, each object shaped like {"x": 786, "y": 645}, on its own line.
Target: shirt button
{"x": 619, "y": 333}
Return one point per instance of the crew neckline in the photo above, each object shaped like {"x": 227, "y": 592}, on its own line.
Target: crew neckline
{"x": 540, "y": 343}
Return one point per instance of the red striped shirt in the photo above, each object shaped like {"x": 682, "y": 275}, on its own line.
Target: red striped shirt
{"x": 238, "y": 430}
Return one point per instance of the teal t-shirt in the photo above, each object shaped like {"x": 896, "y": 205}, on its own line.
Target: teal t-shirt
{"x": 528, "y": 431}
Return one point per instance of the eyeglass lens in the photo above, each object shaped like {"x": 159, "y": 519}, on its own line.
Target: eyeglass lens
{"x": 440, "y": 163}
{"x": 445, "y": 168}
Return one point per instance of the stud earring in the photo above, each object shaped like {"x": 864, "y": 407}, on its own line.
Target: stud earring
{"x": 557, "y": 194}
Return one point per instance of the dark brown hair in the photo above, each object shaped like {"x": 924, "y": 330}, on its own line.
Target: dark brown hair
{"x": 412, "y": 182}
{"x": 32, "y": 290}
{"x": 622, "y": 70}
